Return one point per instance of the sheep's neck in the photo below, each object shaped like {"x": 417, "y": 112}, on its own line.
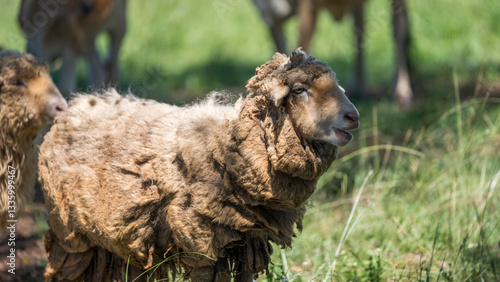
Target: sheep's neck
{"x": 267, "y": 163}
{"x": 19, "y": 125}
{"x": 20, "y": 155}
{"x": 18, "y": 130}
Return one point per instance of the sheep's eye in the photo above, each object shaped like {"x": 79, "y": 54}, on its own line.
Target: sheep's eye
{"x": 298, "y": 89}
{"x": 19, "y": 83}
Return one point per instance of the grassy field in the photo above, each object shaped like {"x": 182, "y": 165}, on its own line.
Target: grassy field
{"x": 416, "y": 195}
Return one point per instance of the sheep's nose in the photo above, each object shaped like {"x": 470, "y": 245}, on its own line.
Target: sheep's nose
{"x": 61, "y": 107}
{"x": 353, "y": 118}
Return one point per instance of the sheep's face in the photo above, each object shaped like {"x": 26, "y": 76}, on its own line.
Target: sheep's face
{"x": 320, "y": 110}
{"x": 308, "y": 89}
{"x": 25, "y": 80}
{"x": 44, "y": 97}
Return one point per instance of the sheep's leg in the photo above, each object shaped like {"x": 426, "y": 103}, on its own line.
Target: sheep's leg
{"x": 67, "y": 78}
{"x": 202, "y": 274}
{"x": 308, "y": 13}
{"x": 278, "y": 36}
{"x": 116, "y": 34}
{"x": 95, "y": 71}
{"x": 218, "y": 273}
{"x": 243, "y": 277}
{"x": 359, "y": 30}
{"x": 403, "y": 93}
{"x": 242, "y": 273}
{"x": 222, "y": 273}
{"x": 111, "y": 64}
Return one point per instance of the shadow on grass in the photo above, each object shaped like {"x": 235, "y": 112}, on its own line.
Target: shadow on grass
{"x": 483, "y": 262}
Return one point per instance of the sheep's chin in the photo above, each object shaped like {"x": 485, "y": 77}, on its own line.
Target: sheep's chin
{"x": 48, "y": 119}
{"x": 50, "y": 115}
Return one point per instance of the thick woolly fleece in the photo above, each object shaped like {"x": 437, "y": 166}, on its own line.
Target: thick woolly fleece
{"x": 19, "y": 126}
{"x": 209, "y": 185}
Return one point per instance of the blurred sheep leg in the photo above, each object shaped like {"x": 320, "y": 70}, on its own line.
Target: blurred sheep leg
{"x": 275, "y": 13}
{"x": 403, "y": 93}
{"x": 116, "y": 34}
{"x": 359, "y": 30}
{"x": 278, "y": 37}
{"x": 67, "y": 79}
{"x": 308, "y": 13}
{"x": 95, "y": 70}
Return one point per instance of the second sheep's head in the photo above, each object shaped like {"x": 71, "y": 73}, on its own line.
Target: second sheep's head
{"x": 29, "y": 99}
{"x": 309, "y": 91}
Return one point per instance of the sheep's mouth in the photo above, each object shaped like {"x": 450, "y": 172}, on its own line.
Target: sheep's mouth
{"x": 343, "y": 133}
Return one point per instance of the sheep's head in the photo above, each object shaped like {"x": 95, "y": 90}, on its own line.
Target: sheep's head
{"x": 27, "y": 92}
{"x": 309, "y": 92}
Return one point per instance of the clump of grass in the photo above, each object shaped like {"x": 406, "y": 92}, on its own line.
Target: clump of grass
{"x": 41, "y": 224}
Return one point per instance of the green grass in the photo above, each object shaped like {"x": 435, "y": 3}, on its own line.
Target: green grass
{"x": 429, "y": 208}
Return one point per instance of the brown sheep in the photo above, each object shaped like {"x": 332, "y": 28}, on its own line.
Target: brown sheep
{"x": 276, "y": 12}
{"x": 68, "y": 30}
{"x": 208, "y": 186}
{"x": 29, "y": 101}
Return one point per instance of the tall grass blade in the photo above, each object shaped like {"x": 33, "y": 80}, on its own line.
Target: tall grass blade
{"x": 126, "y": 269}
{"x": 429, "y": 268}
{"x": 343, "y": 238}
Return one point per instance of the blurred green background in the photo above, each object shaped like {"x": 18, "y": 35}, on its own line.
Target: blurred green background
{"x": 197, "y": 46}
{"x": 427, "y": 178}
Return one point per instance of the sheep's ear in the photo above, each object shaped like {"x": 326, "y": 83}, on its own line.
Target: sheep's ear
{"x": 278, "y": 94}
{"x": 297, "y": 57}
